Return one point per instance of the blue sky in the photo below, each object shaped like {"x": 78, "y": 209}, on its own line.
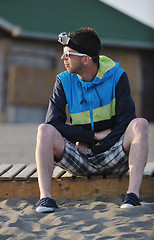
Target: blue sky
{"x": 142, "y": 10}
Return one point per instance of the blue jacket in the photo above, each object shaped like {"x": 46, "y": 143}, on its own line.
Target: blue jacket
{"x": 93, "y": 106}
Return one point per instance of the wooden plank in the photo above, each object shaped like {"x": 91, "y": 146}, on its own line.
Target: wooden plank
{"x": 70, "y": 176}
{"x": 11, "y": 173}
{"x": 26, "y": 173}
{"x": 58, "y": 172}
{"x": 149, "y": 169}
{"x": 82, "y": 188}
{"x": 79, "y": 188}
{"x": 19, "y": 189}
{"x": 34, "y": 176}
{"x": 4, "y": 168}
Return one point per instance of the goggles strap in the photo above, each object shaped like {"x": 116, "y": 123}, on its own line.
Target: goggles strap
{"x": 67, "y": 41}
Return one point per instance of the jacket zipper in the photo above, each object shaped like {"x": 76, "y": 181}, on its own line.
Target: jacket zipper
{"x": 91, "y": 113}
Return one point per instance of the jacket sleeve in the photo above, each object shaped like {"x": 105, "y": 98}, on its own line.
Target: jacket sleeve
{"x": 56, "y": 116}
{"x": 125, "y": 112}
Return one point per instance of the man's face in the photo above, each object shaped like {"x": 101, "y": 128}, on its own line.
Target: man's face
{"x": 73, "y": 63}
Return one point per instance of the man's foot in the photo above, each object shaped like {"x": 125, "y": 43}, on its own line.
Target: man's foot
{"x": 130, "y": 200}
{"x": 46, "y": 205}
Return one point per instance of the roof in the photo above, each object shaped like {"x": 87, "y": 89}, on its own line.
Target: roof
{"x": 46, "y": 19}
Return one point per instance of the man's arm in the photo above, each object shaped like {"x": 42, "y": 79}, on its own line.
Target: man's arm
{"x": 97, "y": 136}
{"x": 125, "y": 112}
{"x": 56, "y": 116}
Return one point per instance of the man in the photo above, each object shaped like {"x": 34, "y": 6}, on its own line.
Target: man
{"x": 105, "y": 131}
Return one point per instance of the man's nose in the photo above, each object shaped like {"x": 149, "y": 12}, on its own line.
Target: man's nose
{"x": 63, "y": 56}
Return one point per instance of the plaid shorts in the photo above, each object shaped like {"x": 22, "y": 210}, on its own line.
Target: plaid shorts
{"x": 113, "y": 161}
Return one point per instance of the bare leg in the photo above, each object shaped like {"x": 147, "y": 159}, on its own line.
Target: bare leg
{"x": 136, "y": 145}
{"x": 50, "y": 143}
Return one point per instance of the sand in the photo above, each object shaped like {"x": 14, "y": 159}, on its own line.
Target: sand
{"x": 99, "y": 218}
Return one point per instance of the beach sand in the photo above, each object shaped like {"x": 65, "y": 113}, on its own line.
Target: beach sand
{"x": 99, "y": 218}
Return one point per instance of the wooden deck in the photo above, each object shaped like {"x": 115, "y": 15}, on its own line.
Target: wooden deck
{"x": 21, "y": 181}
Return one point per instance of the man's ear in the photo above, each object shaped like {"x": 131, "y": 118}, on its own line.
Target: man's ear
{"x": 86, "y": 60}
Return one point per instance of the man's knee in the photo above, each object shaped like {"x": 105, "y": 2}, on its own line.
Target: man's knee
{"x": 137, "y": 129}
{"x": 140, "y": 126}
{"x": 45, "y": 131}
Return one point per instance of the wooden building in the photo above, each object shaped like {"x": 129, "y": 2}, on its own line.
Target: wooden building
{"x": 30, "y": 53}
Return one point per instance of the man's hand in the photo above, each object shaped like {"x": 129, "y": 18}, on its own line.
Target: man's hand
{"x": 82, "y": 147}
{"x": 101, "y": 135}
{"x": 97, "y": 136}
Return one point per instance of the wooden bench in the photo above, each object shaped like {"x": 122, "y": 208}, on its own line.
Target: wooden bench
{"x": 21, "y": 181}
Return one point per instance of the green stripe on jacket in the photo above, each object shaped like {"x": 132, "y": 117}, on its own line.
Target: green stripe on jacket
{"x": 99, "y": 114}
